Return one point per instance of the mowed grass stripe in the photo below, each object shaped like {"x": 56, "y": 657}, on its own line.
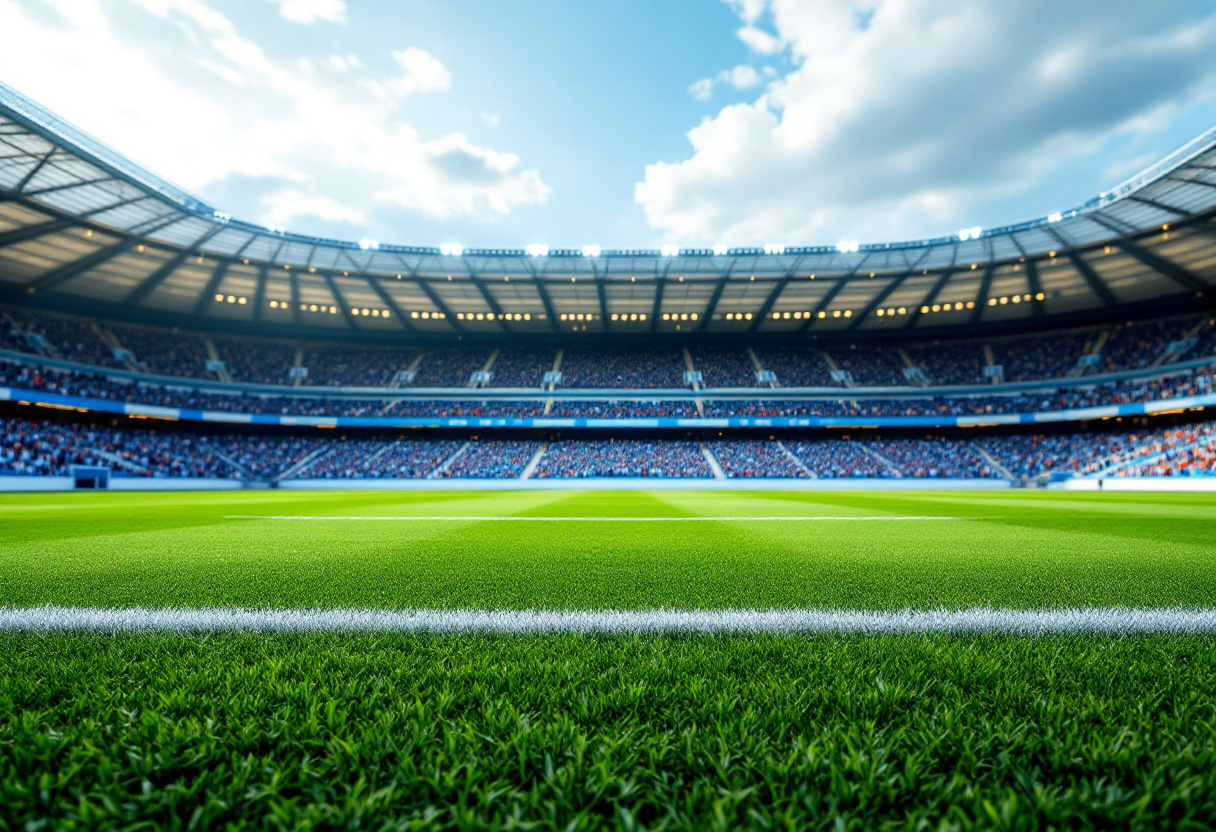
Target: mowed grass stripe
{"x": 1016, "y": 553}
{"x": 1073, "y": 621}
{"x": 495, "y": 518}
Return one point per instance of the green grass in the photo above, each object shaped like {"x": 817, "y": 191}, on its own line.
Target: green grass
{"x": 1024, "y": 550}
{"x": 569, "y": 732}
{"x": 564, "y": 732}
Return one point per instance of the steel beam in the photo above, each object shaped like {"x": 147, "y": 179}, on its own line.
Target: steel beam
{"x": 713, "y": 303}
{"x": 67, "y": 271}
{"x": 439, "y": 304}
{"x": 981, "y": 300}
{"x": 1036, "y": 288}
{"x": 388, "y": 301}
{"x": 208, "y": 295}
{"x": 1091, "y": 277}
{"x": 145, "y": 288}
{"x": 1179, "y": 274}
{"x": 32, "y": 232}
{"x": 934, "y": 291}
{"x": 877, "y": 302}
{"x": 338, "y": 299}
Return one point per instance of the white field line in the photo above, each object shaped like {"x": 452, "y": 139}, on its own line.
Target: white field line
{"x": 1075, "y": 620}
{"x": 521, "y": 519}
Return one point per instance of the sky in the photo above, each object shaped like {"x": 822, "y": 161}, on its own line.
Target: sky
{"x": 626, "y": 123}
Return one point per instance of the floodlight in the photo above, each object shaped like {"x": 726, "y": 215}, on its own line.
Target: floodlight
{"x": 847, "y": 246}
{"x": 451, "y": 249}
{"x": 537, "y": 250}
{"x": 774, "y": 248}
{"x": 720, "y": 250}
{"x": 1056, "y": 217}
{"x": 368, "y": 244}
{"x": 670, "y": 251}
{"x": 591, "y": 251}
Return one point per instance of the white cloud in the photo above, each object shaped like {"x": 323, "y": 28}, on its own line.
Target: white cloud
{"x": 343, "y": 63}
{"x": 490, "y": 119}
{"x": 285, "y": 206}
{"x": 903, "y": 123}
{"x": 749, "y": 11}
{"x": 703, "y": 90}
{"x": 319, "y": 141}
{"x": 759, "y": 41}
{"x": 423, "y": 72}
{"x": 310, "y": 11}
{"x": 741, "y": 77}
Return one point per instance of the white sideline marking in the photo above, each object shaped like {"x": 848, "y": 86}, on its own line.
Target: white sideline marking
{"x": 1072, "y": 620}
{"x": 519, "y": 519}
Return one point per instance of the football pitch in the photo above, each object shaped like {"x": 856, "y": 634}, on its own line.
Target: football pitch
{"x": 568, "y": 660}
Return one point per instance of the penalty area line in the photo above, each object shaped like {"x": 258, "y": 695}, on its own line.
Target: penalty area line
{"x": 1063, "y": 621}
{"x": 525, "y": 519}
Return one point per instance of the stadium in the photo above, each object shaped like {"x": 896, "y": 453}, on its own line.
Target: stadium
{"x": 303, "y": 531}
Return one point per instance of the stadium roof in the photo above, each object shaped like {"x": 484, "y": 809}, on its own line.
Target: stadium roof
{"x": 84, "y": 229}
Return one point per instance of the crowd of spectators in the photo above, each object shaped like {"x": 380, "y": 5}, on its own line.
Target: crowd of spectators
{"x": 344, "y": 367}
{"x": 1137, "y": 345}
{"x": 949, "y": 362}
{"x": 96, "y": 386}
{"x": 622, "y": 458}
{"x": 521, "y": 368}
{"x": 450, "y": 368}
{"x": 755, "y": 458}
{"x": 263, "y": 457}
{"x": 623, "y": 368}
{"x": 622, "y": 410}
{"x": 492, "y": 460}
{"x": 871, "y": 366}
{"x": 838, "y": 459}
{"x": 69, "y": 338}
{"x": 1043, "y": 356}
{"x": 934, "y": 458}
{"x": 1023, "y": 358}
{"x": 380, "y": 459}
{"x": 797, "y": 367}
{"x": 724, "y": 367}
{"x": 261, "y": 362}
{"x": 1183, "y": 452}
{"x": 165, "y": 354}
{"x": 411, "y": 409}
{"x": 34, "y": 448}
{"x": 29, "y": 448}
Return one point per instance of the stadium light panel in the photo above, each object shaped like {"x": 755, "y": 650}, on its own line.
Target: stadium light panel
{"x": 774, "y": 248}
{"x": 847, "y": 246}
{"x": 720, "y": 250}
{"x": 591, "y": 251}
{"x": 368, "y": 244}
{"x": 451, "y": 249}
{"x": 537, "y": 250}
{"x": 670, "y": 251}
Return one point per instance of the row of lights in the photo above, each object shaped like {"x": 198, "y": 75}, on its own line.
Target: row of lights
{"x": 221, "y": 298}
{"x": 326, "y": 308}
{"x": 1015, "y": 299}
{"x": 957, "y": 306}
{"x": 806, "y": 316}
{"x": 490, "y": 316}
